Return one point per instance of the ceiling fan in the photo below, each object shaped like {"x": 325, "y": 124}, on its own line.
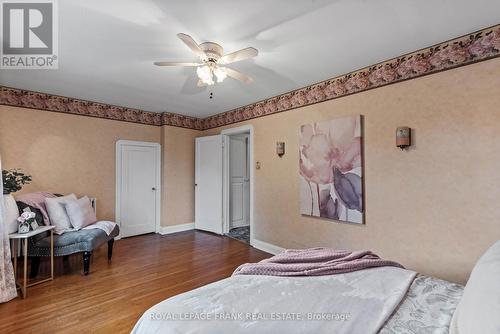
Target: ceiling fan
{"x": 212, "y": 57}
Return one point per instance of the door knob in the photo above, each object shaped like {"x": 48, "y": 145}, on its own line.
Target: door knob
{"x": 153, "y": 188}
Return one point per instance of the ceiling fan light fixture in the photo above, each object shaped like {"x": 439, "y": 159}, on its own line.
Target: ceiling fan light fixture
{"x": 220, "y": 73}
{"x": 205, "y": 75}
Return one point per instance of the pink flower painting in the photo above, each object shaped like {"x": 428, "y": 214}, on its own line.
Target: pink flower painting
{"x": 331, "y": 169}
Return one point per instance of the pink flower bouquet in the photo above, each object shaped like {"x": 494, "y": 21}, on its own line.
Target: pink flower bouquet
{"x": 27, "y": 218}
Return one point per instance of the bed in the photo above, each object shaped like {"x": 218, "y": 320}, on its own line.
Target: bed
{"x": 375, "y": 300}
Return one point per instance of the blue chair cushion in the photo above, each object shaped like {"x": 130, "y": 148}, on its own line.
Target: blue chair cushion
{"x": 71, "y": 242}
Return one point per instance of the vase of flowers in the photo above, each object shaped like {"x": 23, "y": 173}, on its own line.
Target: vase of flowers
{"x": 13, "y": 180}
{"x": 27, "y": 220}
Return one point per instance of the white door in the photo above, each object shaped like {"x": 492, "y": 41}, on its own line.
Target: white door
{"x": 208, "y": 183}
{"x": 138, "y": 186}
{"x": 239, "y": 181}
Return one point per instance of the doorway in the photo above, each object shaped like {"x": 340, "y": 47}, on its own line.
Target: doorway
{"x": 238, "y": 175}
{"x": 137, "y": 187}
{"x": 224, "y": 183}
{"x": 239, "y": 187}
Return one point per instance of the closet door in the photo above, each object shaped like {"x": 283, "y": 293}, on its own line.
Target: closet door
{"x": 138, "y": 187}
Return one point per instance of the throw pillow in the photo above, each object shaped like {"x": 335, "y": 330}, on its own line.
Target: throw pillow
{"x": 57, "y": 213}
{"x": 80, "y": 213}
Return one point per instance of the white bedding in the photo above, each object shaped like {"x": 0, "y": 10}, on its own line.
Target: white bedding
{"x": 357, "y": 302}
{"x": 427, "y": 308}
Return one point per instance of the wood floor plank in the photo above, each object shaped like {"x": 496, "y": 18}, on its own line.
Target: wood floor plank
{"x": 145, "y": 270}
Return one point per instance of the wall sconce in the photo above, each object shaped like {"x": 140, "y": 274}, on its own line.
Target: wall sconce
{"x": 403, "y": 137}
{"x": 280, "y": 148}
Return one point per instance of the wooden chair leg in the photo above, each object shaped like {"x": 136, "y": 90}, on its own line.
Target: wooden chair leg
{"x": 86, "y": 262}
{"x": 110, "y": 248}
{"x": 34, "y": 266}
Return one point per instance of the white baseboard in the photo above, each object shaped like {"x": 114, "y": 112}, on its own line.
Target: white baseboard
{"x": 176, "y": 228}
{"x": 267, "y": 247}
{"x": 262, "y": 245}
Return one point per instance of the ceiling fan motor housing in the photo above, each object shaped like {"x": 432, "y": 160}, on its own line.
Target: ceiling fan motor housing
{"x": 213, "y": 51}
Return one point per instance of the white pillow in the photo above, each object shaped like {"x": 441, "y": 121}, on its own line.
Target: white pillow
{"x": 80, "y": 213}
{"x": 57, "y": 212}
{"x": 479, "y": 309}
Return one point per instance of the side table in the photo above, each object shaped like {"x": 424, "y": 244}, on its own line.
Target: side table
{"x": 23, "y": 237}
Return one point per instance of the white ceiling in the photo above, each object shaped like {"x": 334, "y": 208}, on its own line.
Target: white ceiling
{"x": 107, "y": 47}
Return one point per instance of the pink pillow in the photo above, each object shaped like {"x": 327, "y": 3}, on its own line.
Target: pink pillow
{"x": 80, "y": 213}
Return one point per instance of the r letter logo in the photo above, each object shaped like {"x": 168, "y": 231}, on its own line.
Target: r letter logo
{"x": 29, "y": 34}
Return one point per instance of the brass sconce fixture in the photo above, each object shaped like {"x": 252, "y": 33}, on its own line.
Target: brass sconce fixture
{"x": 280, "y": 148}
{"x": 403, "y": 137}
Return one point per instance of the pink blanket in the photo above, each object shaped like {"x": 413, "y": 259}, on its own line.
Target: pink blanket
{"x": 314, "y": 262}
{"x": 37, "y": 200}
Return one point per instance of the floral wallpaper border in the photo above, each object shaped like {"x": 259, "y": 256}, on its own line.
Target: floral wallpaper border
{"x": 42, "y": 101}
{"x": 468, "y": 49}
{"x": 478, "y": 46}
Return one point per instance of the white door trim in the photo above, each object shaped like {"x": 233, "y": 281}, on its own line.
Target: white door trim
{"x": 157, "y": 148}
{"x": 226, "y": 177}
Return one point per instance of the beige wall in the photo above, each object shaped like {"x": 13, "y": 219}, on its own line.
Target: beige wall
{"x": 178, "y": 175}
{"x": 433, "y": 208}
{"x": 68, "y": 153}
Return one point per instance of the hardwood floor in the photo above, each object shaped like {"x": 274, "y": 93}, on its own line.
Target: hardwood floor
{"x": 144, "y": 271}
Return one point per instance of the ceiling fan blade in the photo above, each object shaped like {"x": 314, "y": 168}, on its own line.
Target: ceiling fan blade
{"x": 173, "y": 63}
{"x": 238, "y": 75}
{"x": 239, "y": 55}
{"x": 189, "y": 41}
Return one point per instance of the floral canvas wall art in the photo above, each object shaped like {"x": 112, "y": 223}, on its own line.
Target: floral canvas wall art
{"x": 331, "y": 169}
